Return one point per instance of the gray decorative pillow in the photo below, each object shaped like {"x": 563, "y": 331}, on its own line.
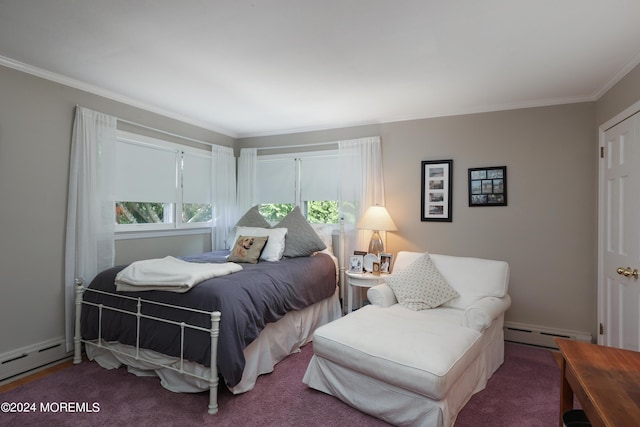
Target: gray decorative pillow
{"x": 302, "y": 239}
{"x": 420, "y": 286}
{"x": 253, "y": 218}
{"x": 247, "y": 249}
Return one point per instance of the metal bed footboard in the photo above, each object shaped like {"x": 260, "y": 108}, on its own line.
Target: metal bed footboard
{"x": 212, "y": 380}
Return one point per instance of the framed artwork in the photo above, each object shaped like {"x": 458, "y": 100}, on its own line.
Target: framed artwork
{"x": 385, "y": 263}
{"x": 376, "y": 269}
{"x": 436, "y": 190}
{"x": 488, "y": 186}
{"x": 355, "y": 263}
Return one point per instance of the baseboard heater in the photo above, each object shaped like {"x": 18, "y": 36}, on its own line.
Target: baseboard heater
{"x": 28, "y": 358}
{"x": 540, "y": 336}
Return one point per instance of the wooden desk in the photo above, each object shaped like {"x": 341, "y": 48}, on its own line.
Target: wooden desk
{"x": 605, "y": 380}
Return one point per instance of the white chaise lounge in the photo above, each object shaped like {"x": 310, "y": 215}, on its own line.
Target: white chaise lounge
{"x": 411, "y": 367}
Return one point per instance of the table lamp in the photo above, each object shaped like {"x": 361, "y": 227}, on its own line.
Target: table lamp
{"x": 376, "y": 218}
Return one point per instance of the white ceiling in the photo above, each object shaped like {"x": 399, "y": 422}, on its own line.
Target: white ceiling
{"x": 261, "y": 67}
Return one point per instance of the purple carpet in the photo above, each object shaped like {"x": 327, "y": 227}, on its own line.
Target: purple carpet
{"x": 523, "y": 392}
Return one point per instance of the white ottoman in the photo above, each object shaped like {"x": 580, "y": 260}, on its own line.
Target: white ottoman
{"x": 397, "y": 364}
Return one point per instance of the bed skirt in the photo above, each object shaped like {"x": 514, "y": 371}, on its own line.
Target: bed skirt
{"x": 275, "y": 342}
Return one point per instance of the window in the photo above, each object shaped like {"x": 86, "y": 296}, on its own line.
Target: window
{"x": 161, "y": 185}
{"x": 196, "y": 187}
{"x": 308, "y": 180}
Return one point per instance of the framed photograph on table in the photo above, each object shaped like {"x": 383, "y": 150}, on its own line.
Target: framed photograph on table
{"x": 436, "y": 190}
{"x": 356, "y": 263}
{"x": 376, "y": 269}
{"x": 488, "y": 186}
{"x": 385, "y": 263}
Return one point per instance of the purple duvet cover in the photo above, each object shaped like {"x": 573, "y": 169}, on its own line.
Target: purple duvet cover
{"x": 248, "y": 300}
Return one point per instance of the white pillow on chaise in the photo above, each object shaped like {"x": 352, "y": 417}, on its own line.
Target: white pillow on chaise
{"x": 420, "y": 286}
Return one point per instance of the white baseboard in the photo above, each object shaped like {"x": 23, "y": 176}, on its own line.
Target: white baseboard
{"x": 32, "y": 357}
{"x": 540, "y": 336}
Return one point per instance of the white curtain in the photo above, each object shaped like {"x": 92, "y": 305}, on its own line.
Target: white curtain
{"x": 361, "y": 186}
{"x": 247, "y": 165}
{"x": 223, "y": 194}
{"x": 91, "y": 204}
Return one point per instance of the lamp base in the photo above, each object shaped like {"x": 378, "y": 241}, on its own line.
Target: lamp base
{"x": 375, "y": 245}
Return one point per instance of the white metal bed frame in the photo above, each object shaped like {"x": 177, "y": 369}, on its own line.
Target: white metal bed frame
{"x": 212, "y": 379}
{"x": 214, "y": 332}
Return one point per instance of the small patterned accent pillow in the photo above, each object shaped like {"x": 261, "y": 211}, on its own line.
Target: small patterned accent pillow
{"x": 247, "y": 249}
{"x": 420, "y": 286}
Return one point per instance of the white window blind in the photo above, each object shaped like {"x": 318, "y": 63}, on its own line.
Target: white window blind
{"x": 161, "y": 184}
{"x": 319, "y": 178}
{"x": 196, "y": 178}
{"x": 276, "y": 180}
{"x": 146, "y": 172}
{"x": 309, "y": 180}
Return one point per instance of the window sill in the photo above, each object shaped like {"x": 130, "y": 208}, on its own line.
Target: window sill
{"x": 147, "y": 234}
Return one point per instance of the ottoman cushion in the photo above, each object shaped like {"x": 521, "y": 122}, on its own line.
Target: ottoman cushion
{"x": 425, "y": 351}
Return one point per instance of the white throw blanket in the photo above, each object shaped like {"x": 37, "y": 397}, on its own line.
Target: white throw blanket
{"x": 169, "y": 274}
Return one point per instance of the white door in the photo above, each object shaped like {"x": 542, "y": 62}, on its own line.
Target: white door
{"x": 619, "y": 286}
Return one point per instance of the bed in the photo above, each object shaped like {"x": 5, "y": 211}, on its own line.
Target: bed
{"x": 234, "y": 327}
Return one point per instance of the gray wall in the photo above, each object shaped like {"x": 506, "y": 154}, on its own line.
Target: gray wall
{"x": 621, "y": 96}
{"x": 158, "y": 247}
{"x": 36, "y": 117}
{"x": 546, "y": 233}
{"x": 547, "y": 227}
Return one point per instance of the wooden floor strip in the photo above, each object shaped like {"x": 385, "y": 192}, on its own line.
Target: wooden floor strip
{"x": 36, "y": 375}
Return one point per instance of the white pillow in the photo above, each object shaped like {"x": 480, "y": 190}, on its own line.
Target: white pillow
{"x": 420, "y": 286}
{"x": 325, "y": 232}
{"x": 275, "y": 245}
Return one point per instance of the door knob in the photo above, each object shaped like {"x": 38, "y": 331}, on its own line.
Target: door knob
{"x": 626, "y": 272}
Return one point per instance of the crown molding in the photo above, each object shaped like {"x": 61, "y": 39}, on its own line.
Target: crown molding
{"x": 77, "y": 84}
{"x": 616, "y": 78}
{"x": 96, "y": 90}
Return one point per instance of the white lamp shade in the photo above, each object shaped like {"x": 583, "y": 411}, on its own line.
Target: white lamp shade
{"x": 376, "y": 218}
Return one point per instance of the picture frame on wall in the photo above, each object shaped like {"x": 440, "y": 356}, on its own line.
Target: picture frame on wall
{"x": 488, "y": 186}
{"x": 436, "y": 190}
